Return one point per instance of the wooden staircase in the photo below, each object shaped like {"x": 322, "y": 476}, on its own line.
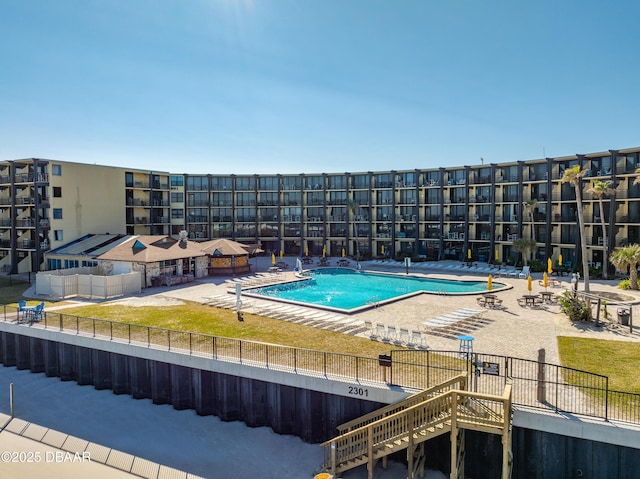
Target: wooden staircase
{"x": 408, "y": 424}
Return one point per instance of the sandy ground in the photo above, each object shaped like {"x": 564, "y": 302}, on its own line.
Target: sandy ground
{"x": 208, "y": 447}
{"x": 202, "y": 446}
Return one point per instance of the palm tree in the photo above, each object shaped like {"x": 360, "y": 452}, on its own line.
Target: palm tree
{"x": 599, "y": 189}
{"x": 529, "y": 206}
{"x": 525, "y": 246}
{"x": 353, "y": 206}
{"x": 574, "y": 176}
{"x": 627, "y": 257}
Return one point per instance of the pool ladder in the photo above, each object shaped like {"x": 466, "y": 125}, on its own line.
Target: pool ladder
{"x": 374, "y": 300}
{"x": 442, "y": 291}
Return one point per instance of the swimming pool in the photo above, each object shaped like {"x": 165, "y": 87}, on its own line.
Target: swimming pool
{"x": 349, "y": 291}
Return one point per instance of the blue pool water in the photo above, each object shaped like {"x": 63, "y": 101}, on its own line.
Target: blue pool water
{"x": 348, "y": 290}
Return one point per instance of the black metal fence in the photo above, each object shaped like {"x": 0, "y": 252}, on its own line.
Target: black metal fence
{"x": 536, "y": 384}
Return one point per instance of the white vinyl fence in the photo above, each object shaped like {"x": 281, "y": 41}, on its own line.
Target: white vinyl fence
{"x": 81, "y": 282}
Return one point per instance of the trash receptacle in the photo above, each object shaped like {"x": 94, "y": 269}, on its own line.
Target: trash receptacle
{"x": 623, "y": 316}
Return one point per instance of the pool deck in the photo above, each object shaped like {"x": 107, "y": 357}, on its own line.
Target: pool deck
{"x": 512, "y": 330}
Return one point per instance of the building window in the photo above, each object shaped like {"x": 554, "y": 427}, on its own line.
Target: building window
{"x": 176, "y": 213}
{"x": 54, "y": 264}
{"x": 57, "y": 191}
{"x": 57, "y": 235}
{"x": 56, "y": 170}
{"x": 177, "y": 181}
{"x": 57, "y": 213}
{"x": 177, "y": 197}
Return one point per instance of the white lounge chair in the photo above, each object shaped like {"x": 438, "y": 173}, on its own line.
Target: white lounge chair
{"x": 392, "y": 334}
{"x": 418, "y": 340}
{"x": 370, "y": 330}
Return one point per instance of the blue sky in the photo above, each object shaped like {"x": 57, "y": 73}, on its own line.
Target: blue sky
{"x": 309, "y": 86}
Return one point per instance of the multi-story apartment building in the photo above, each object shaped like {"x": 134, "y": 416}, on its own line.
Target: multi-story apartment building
{"x": 45, "y": 204}
{"x": 433, "y": 213}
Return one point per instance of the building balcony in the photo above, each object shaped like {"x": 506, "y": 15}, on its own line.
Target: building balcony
{"x": 26, "y": 244}
{"x": 137, "y": 202}
{"x": 26, "y": 222}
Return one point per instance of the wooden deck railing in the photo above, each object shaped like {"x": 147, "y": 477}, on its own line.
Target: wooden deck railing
{"x": 414, "y": 420}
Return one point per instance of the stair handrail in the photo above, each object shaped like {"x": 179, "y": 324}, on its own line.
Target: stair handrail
{"x": 359, "y": 442}
{"x": 459, "y": 380}
{"x": 436, "y": 410}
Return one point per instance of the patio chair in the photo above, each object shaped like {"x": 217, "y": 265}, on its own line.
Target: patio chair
{"x": 371, "y": 331}
{"x": 37, "y": 313}
{"x": 392, "y": 334}
{"x": 381, "y": 331}
{"x": 403, "y": 336}
{"x": 22, "y": 310}
{"x": 526, "y": 271}
{"x": 419, "y": 340}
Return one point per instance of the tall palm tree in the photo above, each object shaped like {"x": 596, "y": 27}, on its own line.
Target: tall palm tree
{"x": 353, "y": 207}
{"x": 525, "y": 246}
{"x": 529, "y": 206}
{"x": 599, "y": 189}
{"x": 574, "y": 176}
{"x": 627, "y": 257}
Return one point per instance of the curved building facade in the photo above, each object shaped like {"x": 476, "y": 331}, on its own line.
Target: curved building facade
{"x": 425, "y": 213}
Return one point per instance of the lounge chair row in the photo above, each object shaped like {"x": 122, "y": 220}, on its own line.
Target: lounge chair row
{"x": 480, "y": 268}
{"x": 294, "y": 314}
{"x": 450, "y": 319}
{"x": 318, "y": 319}
{"x": 257, "y": 280}
{"x": 398, "y": 336}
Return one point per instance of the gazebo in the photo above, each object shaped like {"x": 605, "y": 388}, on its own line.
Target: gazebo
{"x": 161, "y": 259}
{"x": 228, "y": 257}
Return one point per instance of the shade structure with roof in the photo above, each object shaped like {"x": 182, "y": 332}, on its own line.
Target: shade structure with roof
{"x": 227, "y": 256}
{"x": 163, "y": 260}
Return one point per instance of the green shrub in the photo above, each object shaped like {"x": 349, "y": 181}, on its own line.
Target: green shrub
{"x": 574, "y": 307}
{"x": 626, "y": 284}
{"x": 537, "y": 266}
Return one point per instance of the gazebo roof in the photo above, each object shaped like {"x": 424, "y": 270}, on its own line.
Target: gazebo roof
{"x": 153, "y": 248}
{"x": 224, "y": 247}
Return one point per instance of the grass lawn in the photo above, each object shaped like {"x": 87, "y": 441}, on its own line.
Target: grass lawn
{"x": 616, "y": 359}
{"x": 199, "y": 318}
{"x": 11, "y": 290}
